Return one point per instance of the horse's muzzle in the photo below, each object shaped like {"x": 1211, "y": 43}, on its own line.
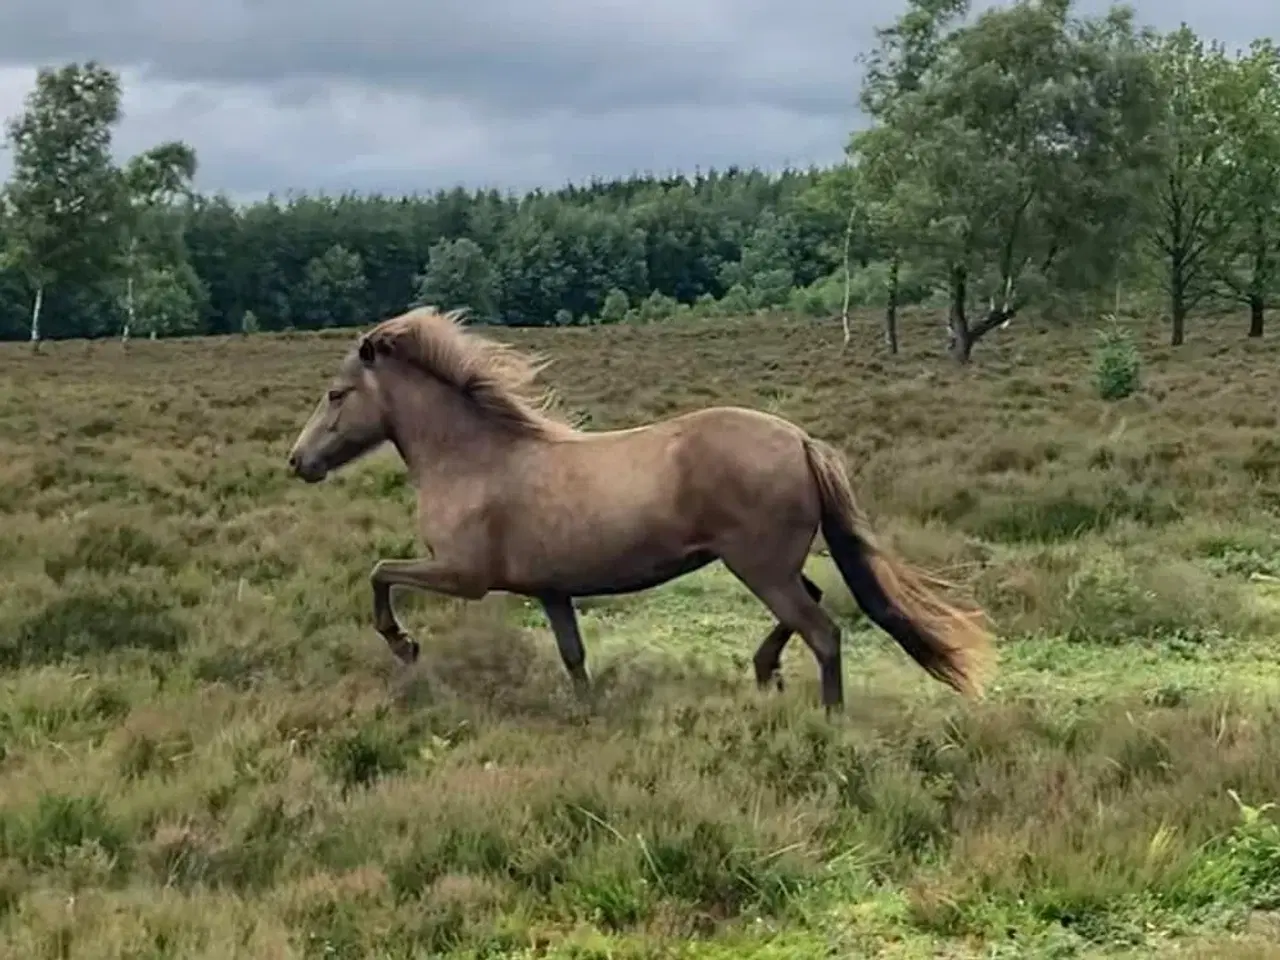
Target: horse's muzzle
{"x": 309, "y": 471}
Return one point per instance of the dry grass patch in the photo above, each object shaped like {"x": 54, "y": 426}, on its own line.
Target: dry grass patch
{"x": 205, "y": 750}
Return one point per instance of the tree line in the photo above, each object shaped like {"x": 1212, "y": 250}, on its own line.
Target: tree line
{"x": 1024, "y": 159}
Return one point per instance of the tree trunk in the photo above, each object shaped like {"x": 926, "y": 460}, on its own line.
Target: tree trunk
{"x": 35, "y": 317}
{"x": 1178, "y": 307}
{"x": 1177, "y": 297}
{"x": 958, "y": 323}
{"x": 130, "y": 316}
{"x": 964, "y": 336}
{"x": 848, "y": 278}
{"x": 891, "y": 308}
{"x": 1260, "y": 282}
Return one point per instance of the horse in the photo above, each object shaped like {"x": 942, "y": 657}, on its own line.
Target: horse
{"x": 512, "y": 498}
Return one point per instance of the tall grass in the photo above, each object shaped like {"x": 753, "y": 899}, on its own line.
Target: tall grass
{"x": 206, "y": 751}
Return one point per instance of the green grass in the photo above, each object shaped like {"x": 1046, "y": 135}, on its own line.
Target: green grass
{"x": 206, "y": 751}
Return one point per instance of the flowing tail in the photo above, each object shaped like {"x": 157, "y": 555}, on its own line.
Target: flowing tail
{"x": 950, "y": 642}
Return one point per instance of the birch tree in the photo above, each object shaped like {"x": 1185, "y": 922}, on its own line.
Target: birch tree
{"x": 151, "y": 183}
{"x": 62, "y": 197}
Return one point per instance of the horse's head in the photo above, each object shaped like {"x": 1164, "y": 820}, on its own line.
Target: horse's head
{"x": 349, "y": 421}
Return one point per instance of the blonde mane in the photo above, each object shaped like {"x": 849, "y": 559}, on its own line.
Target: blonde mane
{"x": 496, "y": 377}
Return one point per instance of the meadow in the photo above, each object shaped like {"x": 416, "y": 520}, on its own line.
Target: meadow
{"x": 206, "y": 750}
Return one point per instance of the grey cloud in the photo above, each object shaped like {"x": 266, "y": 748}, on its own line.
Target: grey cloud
{"x": 405, "y": 95}
{"x": 502, "y": 56}
{"x": 513, "y": 56}
{"x": 400, "y": 147}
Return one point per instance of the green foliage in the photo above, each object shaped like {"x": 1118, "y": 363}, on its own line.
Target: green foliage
{"x": 615, "y": 306}
{"x": 1116, "y": 362}
{"x": 370, "y": 752}
{"x": 459, "y": 275}
{"x": 333, "y": 290}
{"x": 151, "y": 253}
{"x": 655, "y": 307}
{"x": 1243, "y": 867}
{"x": 764, "y": 270}
{"x": 1197, "y": 196}
{"x": 1246, "y": 270}
{"x": 1026, "y": 158}
{"x": 979, "y": 166}
{"x": 63, "y": 195}
{"x": 92, "y": 621}
{"x": 167, "y": 301}
{"x": 58, "y": 825}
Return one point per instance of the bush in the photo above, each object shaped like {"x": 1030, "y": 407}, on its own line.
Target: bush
{"x": 1115, "y": 362}
{"x": 91, "y": 622}
{"x": 615, "y": 307}
{"x": 657, "y": 306}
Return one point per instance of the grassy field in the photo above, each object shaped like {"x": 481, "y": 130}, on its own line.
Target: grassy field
{"x": 206, "y": 751}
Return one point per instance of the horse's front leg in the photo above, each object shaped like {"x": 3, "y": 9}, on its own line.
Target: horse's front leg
{"x": 433, "y": 575}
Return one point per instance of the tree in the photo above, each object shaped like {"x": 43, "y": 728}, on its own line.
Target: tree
{"x": 615, "y": 306}
{"x": 333, "y": 289}
{"x": 880, "y": 200}
{"x": 167, "y": 301}
{"x": 1248, "y": 270}
{"x": 904, "y": 54}
{"x": 1012, "y": 154}
{"x": 62, "y": 197}
{"x": 765, "y": 267}
{"x": 1197, "y": 197}
{"x": 458, "y": 275}
{"x": 838, "y": 200}
{"x": 151, "y": 181}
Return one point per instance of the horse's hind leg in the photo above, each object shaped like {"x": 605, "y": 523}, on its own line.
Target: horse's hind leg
{"x": 768, "y": 656}
{"x": 790, "y": 601}
{"x": 564, "y": 624}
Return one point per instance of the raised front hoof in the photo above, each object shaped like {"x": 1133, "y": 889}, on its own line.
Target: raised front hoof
{"x": 403, "y": 647}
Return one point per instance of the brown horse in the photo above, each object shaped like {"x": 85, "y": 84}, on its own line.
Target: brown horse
{"x": 511, "y": 499}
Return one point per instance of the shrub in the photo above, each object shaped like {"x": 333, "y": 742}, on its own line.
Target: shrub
{"x": 1115, "y": 362}
{"x": 615, "y": 307}
{"x": 92, "y": 622}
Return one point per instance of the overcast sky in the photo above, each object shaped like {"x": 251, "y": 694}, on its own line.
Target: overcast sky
{"x": 414, "y": 95}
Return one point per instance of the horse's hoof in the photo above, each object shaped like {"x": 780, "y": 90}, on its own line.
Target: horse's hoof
{"x": 413, "y": 648}
{"x": 770, "y": 684}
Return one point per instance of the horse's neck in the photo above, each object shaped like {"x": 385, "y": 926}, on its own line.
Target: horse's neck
{"x": 439, "y": 436}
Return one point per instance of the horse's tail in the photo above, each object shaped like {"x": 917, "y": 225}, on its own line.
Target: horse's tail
{"x": 950, "y": 642}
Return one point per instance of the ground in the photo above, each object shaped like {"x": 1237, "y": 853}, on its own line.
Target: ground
{"x": 206, "y": 751}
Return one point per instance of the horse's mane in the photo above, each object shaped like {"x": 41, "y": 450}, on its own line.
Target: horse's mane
{"x": 496, "y": 377}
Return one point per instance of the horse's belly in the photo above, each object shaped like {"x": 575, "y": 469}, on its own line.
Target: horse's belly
{"x": 603, "y": 581}
{"x": 601, "y": 554}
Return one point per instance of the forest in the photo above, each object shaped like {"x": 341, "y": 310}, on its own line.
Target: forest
{"x": 1028, "y": 160}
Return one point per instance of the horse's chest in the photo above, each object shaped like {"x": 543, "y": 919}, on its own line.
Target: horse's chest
{"x": 444, "y": 519}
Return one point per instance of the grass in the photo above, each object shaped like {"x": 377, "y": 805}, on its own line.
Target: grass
{"x": 206, "y": 751}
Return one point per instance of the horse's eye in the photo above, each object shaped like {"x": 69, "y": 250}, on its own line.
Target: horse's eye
{"x": 336, "y": 395}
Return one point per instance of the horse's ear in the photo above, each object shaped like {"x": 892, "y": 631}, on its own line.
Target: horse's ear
{"x": 366, "y": 351}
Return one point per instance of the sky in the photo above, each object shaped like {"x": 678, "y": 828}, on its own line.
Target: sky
{"x": 406, "y": 96}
